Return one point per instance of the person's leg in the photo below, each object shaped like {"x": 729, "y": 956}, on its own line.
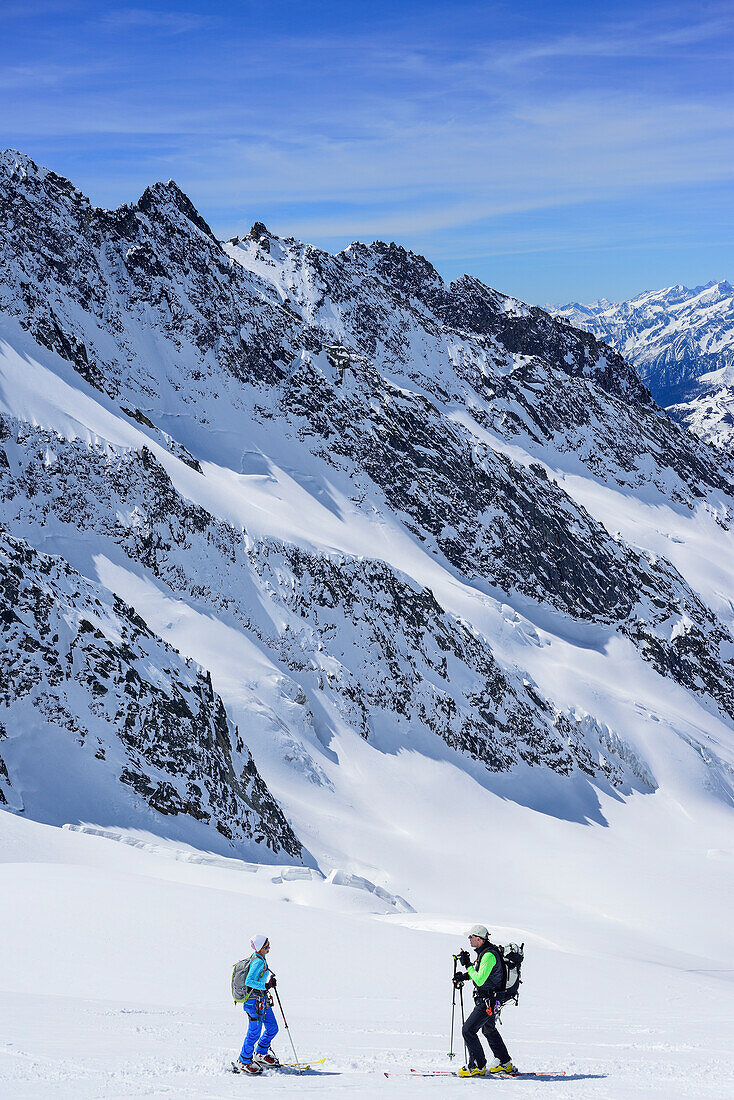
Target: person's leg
{"x": 493, "y": 1037}
{"x": 253, "y": 1031}
{"x": 470, "y": 1032}
{"x": 270, "y": 1030}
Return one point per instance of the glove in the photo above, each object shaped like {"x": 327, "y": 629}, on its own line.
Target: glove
{"x": 271, "y": 982}
{"x": 459, "y": 978}
{"x": 464, "y": 958}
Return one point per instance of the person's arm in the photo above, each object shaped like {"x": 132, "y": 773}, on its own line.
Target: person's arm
{"x": 486, "y": 965}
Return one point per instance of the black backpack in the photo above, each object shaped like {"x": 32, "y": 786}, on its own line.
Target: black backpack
{"x": 511, "y": 958}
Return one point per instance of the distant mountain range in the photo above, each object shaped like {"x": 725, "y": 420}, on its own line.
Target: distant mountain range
{"x": 681, "y": 341}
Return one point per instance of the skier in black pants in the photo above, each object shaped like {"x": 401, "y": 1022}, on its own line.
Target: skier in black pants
{"x": 487, "y": 975}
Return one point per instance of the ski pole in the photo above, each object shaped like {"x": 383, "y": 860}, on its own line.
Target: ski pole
{"x": 298, "y": 1064}
{"x": 461, "y": 997}
{"x": 453, "y": 1011}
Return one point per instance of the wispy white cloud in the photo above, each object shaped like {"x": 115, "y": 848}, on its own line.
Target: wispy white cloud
{"x": 161, "y": 22}
{"x": 34, "y": 9}
{"x": 418, "y": 173}
{"x": 42, "y": 75}
{"x": 641, "y": 38}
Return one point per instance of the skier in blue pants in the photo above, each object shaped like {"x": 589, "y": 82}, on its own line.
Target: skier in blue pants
{"x": 263, "y": 1026}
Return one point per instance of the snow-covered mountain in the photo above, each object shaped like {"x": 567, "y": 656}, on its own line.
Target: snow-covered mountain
{"x": 681, "y": 341}
{"x": 174, "y": 429}
{"x": 316, "y": 559}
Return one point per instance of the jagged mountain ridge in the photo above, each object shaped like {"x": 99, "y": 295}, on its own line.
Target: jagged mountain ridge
{"x": 681, "y": 340}
{"x": 201, "y": 358}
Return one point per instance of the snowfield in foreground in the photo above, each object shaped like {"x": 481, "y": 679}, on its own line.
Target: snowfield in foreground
{"x": 117, "y": 959}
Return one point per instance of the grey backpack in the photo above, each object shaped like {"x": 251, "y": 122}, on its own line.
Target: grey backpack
{"x": 512, "y": 960}
{"x": 240, "y": 990}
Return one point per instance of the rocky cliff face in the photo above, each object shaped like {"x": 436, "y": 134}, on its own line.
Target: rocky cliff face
{"x": 381, "y": 649}
{"x": 79, "y": 664}
{"x": 373, "y": 526}
{"x": 681, "y": 341}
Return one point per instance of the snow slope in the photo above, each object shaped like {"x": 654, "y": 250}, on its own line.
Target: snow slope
{"x": 117, "y": 960}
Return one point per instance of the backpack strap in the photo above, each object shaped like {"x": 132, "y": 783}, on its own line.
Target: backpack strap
{"x": 499, "y": 955}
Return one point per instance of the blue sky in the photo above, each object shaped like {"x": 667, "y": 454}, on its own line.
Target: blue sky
{"x": 557, "y": 150}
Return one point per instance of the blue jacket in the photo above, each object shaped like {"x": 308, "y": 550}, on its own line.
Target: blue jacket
{"x": 258, "y": 973}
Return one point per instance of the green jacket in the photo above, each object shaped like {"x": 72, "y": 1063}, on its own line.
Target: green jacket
{"x": 487, "y": 974}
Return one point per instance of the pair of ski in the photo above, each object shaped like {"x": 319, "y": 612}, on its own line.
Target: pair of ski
{"x": 542, "y": 1074}
{"x": 283, "y": 1067}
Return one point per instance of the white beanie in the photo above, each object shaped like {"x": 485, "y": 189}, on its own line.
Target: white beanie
{"x": 478, "y": 930}
{"x": 258, "y": 942}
